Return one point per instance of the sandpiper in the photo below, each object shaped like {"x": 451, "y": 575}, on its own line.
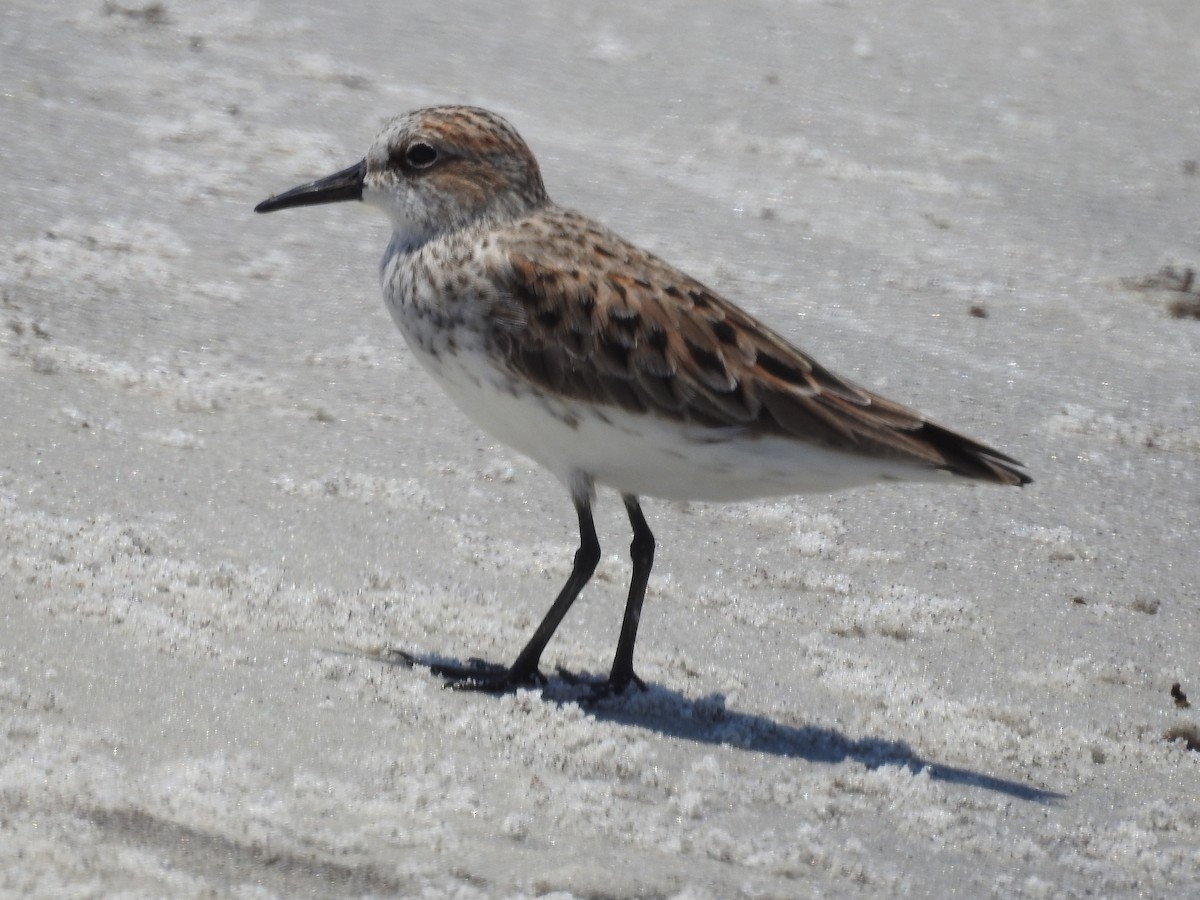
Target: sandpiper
{"x": 602, "y": 362}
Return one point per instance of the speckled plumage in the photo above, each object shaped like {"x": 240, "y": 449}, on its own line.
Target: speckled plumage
{"x": 602, "y": 362}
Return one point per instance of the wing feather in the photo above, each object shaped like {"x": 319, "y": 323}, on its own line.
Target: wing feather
{"x": 626, "y": 329}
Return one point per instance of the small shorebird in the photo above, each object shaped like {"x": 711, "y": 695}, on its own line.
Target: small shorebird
{"x": 604, "y": 363}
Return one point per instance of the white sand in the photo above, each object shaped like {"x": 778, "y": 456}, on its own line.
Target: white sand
{"x": 224, "y": 484}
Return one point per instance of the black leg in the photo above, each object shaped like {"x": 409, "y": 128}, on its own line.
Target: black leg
{"x": 642, "y": 553}
{"x": 525, "y": 670}
{"x": 586, "y": 558}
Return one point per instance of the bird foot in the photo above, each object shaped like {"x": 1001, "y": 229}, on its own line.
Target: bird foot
{"x": 613, "y": 686}
{"x": 477, "y": 674}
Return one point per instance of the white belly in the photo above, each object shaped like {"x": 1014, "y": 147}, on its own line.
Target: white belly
{"x": 645, "y": 455}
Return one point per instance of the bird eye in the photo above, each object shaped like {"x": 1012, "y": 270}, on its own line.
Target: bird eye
{"x": 420, "y": 156}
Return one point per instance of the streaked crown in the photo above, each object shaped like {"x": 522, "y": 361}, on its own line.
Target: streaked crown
{"x": 442, "y": 168}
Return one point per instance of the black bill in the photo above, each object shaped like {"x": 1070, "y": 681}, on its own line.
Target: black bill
{"x": 344, "y": 185}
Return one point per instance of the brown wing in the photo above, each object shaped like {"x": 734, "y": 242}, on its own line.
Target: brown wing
{"x": 638, "y": 334}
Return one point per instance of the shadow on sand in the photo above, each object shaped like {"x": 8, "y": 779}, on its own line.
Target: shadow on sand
{"x": 708, "y": 720}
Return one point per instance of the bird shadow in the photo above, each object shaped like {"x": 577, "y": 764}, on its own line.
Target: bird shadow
{"x": 708, "y": 720}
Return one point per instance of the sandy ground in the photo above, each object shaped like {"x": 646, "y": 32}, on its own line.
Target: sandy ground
{"x": 226, "y": 488}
